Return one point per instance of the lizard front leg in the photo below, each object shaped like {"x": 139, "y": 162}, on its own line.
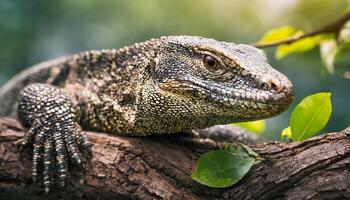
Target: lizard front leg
{"x": 51, "y": 116}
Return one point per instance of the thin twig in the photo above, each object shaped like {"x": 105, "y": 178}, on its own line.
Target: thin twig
{"x": 333, "y": 27}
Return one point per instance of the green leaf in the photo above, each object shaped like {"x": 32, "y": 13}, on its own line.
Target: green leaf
{"x": 344, "y": 35}
{"x": 241, "y": 150}
{"x": 328, "y": 51}
{"x": 342, "y": 57}
{"x": 310, "y": 116}
{"x": 335, "y": 53}
{"x": 287, "y": 32}
{"x": 278, "y": 34}
{"x": 286, "y": 133}
{"x": 301, "y": 45}
{"x": 250, "y": 151}
{"x": 257, "y": 127}
{"x": 223, "y": 168}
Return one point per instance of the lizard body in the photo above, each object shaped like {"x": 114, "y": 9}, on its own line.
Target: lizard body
{"x": 160, "y": 86}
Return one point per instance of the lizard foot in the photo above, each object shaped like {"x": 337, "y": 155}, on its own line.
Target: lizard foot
{"x": 56, "y": 136}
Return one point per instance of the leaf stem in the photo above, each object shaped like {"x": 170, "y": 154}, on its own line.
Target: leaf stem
{"x": 333, "y": 27}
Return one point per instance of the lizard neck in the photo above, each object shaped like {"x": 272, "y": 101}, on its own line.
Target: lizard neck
{"x": 139, "y": 54}
{"x": 114, "y": 79}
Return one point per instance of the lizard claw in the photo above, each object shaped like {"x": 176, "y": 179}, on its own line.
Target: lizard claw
{"x": 55, "y": 145}
{"x": 52, "y": 144}
{"x": 55, "y": 135}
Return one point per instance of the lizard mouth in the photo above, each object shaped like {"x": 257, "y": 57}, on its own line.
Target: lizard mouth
{"x": 229, "y": 96}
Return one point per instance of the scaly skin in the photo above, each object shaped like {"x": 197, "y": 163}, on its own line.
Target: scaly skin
{"x": 160, "y": 86}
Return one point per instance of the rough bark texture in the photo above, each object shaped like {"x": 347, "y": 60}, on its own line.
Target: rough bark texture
{"x": 160, "y": 168}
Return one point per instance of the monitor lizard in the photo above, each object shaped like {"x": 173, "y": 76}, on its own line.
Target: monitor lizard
{"x": 161, "y": 86}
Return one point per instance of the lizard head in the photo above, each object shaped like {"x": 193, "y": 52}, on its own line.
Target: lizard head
{"x": 220, "y": 81}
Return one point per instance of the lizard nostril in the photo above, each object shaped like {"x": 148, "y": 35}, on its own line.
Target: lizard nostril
{"x": 275, "y": 86}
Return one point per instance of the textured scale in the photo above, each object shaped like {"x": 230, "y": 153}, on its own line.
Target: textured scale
{"x": 160, "y": 86}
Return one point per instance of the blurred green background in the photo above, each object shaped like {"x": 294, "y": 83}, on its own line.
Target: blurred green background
{"x": 35, "y": 31}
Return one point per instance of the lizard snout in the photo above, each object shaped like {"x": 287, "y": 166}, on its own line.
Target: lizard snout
{"x": 282, "y": 86}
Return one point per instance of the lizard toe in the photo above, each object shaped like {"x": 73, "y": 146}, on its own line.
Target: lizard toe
{"x": 48, "y": 153}
{"x": 50, "y": 114}
{"x": 82, "y": 140}
{"x": 37, "y": 152}
{"x": 61, "y": 157}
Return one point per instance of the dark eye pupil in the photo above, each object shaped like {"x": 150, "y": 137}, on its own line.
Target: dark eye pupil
{"x": 210, "y": 60}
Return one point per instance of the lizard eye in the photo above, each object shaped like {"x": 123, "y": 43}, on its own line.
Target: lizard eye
{"x": 210, "y": 63}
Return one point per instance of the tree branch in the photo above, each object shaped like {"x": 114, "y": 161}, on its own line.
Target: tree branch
{"x": 160, "y": 168}
{"x": 333, "y": 27}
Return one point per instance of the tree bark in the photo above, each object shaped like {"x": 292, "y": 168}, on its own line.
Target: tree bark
{"x": 160, "y": 168}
